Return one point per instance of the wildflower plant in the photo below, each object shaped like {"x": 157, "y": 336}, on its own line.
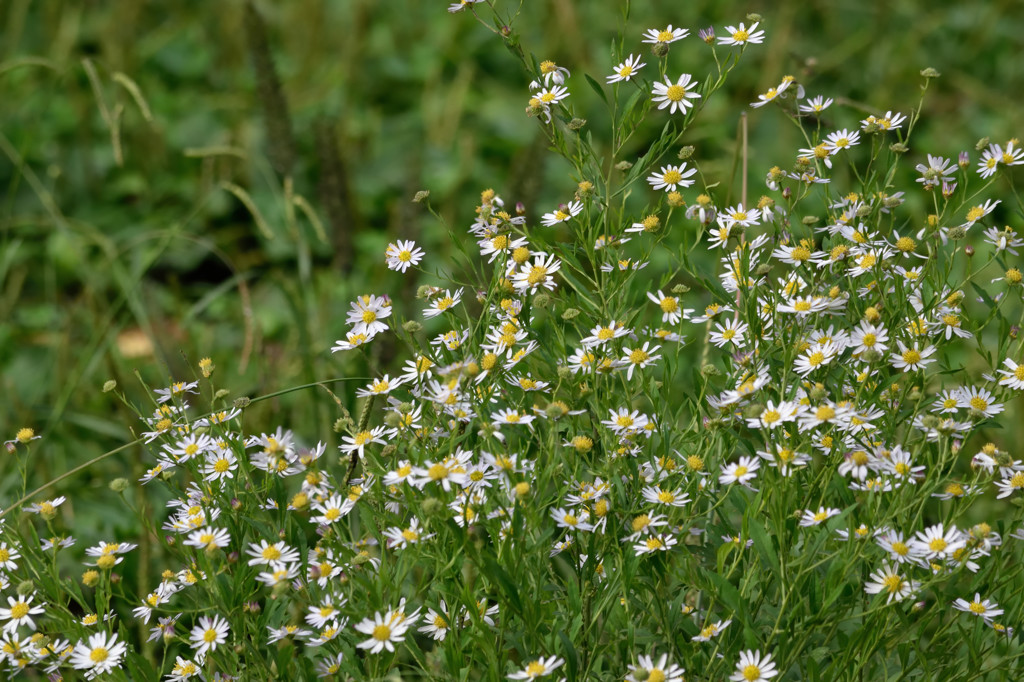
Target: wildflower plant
{"x": 546, "y": 485}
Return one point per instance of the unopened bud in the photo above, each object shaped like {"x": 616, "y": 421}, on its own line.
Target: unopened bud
{"x": 432, "y": 506}
{"x": 570, "y": 313}
{"x": 623, "y": 165}
{"x": 686, "y": 152}
{"x": 957, "y": 233}
{"x": 109, "y": 385}
{"x": 421, "y": 196}
{"x": 577, "y": 123}
{"x": 710, "y": 371}
{"x": 969, "y": 251}
{"x": 871, "y": 356}
{"x": 810, "y": 219}
{"x": 241, "y": 403}
{"x": 118, "y": 485}
{"x": 412, "y": 326}
{"x": 542, "y": 300}
{"x": 930, "y": 73}
{"x": 680, "y": 289}
{"x": 659, "y": 49}
{"x": 982, "y": 143}
{"x": 898, "y": 148}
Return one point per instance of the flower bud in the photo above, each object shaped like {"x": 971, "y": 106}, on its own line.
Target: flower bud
{"x": 659, "y": 49}
{"x": 577, "y": 123}
{"x": 710, "y": 371}
{"x": 432, "y": 506}
{"x": 118, "y": 485}
{"x": 412, "y": 326}
{"x": 241, "y": 403}
{"x": 930, "y": 73}
{"x": 109, "y": 385}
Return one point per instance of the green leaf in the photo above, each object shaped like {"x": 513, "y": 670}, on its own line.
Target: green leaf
{"x": 597, "y": 88}
{"x": 498, "y": 574}
{"x": 726, "y": 592}
{"x": 764, "y": 547}
{"x": 572, "y": 660}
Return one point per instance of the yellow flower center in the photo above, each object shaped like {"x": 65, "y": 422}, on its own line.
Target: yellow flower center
{"x": 382, "y": 633}
{"x": 675, "y": 93}
{"x": 98, "y": 655}
{"x": 911, "y": 357}
{"x": 893, "y": 583}
{"x": 672, "y": 177}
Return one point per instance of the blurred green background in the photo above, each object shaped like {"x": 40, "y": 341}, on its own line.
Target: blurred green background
{"x": 130, "y": 131}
